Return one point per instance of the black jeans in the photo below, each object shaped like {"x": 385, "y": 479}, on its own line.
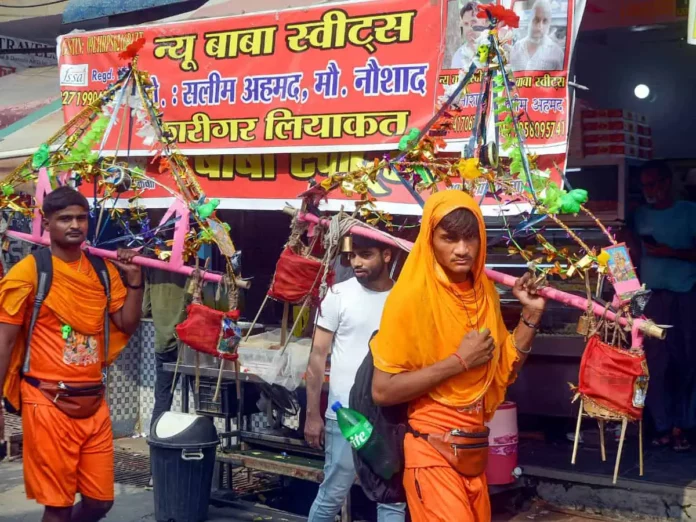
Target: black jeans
{"x": 163, "y": 384}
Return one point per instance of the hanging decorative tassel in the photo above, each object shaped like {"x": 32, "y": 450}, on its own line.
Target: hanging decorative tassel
{"x": 230, "y": 334}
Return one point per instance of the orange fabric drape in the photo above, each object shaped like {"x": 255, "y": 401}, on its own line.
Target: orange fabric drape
{"x": 426, "y": 316}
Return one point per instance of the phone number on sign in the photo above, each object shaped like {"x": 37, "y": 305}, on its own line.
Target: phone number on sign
{"x": 81, "y": 98}
{"x": 542, "y": 129}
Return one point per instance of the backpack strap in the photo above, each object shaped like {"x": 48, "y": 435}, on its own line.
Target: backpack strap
{"x": 102, "y": 271}
{"x": 44, "y": 272}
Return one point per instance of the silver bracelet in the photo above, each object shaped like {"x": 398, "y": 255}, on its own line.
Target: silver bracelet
{"x": 514, "y": 343}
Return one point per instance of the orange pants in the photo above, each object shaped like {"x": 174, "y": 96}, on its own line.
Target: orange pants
{"x": 443, "y": 495}
{"x": 64, "y": 456}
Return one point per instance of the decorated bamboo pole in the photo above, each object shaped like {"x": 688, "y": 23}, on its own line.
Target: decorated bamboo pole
{"x": 138, "y": 260}
{"x": 639, "y": 326}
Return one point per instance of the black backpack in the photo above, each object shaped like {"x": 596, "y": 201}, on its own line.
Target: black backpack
{"x": 44, "y": 272}
{"x": 390, "y": 423}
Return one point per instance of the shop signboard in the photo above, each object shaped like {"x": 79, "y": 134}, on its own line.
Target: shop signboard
{"x": 343, "y": 76}
{"x": 271, "y": 181}
{"x": 10, "y": 63}
{"x": 265, "y": 103}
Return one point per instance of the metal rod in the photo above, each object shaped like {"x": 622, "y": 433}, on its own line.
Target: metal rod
{"x": 520, "y": 138}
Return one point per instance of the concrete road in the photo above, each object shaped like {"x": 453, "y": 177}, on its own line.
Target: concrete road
{"x": 136, "y": 505}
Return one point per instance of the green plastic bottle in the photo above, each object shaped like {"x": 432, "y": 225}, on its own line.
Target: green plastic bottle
{"x": 371, "y": 448}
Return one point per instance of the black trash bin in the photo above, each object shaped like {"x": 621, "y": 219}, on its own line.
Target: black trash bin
{"x": 182, "y": 455}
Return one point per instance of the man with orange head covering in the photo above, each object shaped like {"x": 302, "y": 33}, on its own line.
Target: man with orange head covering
{"x": 442, "y": 347}
{"x": 68, "y": 443}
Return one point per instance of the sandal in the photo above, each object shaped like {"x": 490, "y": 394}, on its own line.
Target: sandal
{"x": 662, "y": 442}
{"x": 680, "y": 444}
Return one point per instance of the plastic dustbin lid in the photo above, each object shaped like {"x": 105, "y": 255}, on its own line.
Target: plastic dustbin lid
{"x": 182, "y": 431}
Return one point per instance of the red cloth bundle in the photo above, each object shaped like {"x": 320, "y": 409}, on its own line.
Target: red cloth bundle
{"x": 615, "y": 379}
{"x": 202, "y": 328}
{"x": 296, "y": 277}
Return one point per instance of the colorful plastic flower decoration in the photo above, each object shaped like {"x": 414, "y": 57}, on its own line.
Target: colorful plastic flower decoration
{"x": 503, "y": 15}
{"x": 40, "y": 158}
{"x": 469, "y": 169}
{"x": 557, "y": 200}
{"x": 603, "y": 258}
{"x": 132, "y": 50}
{"x": 409, "y": 140}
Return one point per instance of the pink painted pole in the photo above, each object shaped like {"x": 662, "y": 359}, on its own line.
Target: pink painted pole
{"x": 639, "y": 325}
{"x": 138, "y": 260}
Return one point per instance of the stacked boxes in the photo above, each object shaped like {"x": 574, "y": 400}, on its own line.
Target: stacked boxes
{"x": 575, "y": 142}
{"x": 616, "y": 132}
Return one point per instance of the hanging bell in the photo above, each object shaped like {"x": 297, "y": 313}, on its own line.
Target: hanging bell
{"x": 584, "y": 325}
{"x": 347, "y": 245}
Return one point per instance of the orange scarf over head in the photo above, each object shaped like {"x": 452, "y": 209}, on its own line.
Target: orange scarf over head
{"x": 426, "y": 315}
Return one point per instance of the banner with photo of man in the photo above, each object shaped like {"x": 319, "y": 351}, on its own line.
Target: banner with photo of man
{"x": 539, "y": 53}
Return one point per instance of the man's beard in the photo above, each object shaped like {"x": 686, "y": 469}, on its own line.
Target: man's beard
{"x": 370, "y": 277}
{"x": 534, "y": 39}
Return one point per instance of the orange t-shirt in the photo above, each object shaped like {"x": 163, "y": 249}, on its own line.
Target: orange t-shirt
{"x": 77, "y": 358}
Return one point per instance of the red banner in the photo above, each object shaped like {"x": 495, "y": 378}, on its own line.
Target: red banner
{"x": 270, "y": 181}
{"x": 361, "y": 75}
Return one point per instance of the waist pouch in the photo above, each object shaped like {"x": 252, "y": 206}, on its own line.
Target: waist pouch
{"x": 465, "y": 449}
{"x": 76, "y": 400}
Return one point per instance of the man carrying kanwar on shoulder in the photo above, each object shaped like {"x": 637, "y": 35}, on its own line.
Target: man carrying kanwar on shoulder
{"x": 53, "y": 371}
{"x": 443, "y": 348}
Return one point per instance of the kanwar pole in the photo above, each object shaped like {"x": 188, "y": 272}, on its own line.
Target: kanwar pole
{"x": 138, "y": 260}
{"x": 638, "y": 326}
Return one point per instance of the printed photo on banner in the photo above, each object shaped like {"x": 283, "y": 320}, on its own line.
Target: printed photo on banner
{"x": 540, "y": 41}
{"x": 464, "y": 31}
{"x": 537, "y": 51}
{"x": 539, "y": 44}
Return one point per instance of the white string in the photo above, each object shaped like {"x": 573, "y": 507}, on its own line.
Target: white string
{"x": 339, "y": 226}
{"x": 348, "y": 222}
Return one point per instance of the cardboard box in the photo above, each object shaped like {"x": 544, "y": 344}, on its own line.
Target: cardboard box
{"x": 617, "y": 149}
{"x": 615, "y": 125}
{"x": 627, "y": 138}
{"x": 614, "y": 114}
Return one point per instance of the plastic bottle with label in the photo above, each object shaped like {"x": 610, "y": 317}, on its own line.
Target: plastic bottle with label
{"x": 370, "y": 446}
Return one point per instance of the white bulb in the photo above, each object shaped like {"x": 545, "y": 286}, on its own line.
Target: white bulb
{"x": 642, "y": 91}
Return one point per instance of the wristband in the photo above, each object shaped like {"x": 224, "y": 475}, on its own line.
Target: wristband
{"x": 138, "y": 287}
{"x": 461, "y": 361}
{"x": 528, "y": 324}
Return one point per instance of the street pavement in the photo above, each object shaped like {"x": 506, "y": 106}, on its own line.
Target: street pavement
{"x": 136, "y": 504}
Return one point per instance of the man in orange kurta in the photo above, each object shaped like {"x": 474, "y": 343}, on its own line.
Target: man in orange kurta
{"x": 64, "y": 455}
{"x": 442, "y": 347}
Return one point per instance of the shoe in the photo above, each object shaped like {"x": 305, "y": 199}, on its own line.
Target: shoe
{"x": 571, "y": 437}
{"x": 680, "y": 444}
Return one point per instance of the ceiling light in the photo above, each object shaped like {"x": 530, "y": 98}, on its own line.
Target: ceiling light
{"x": 642, "y": 91}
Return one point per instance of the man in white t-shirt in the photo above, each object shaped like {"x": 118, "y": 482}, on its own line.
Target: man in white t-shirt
{"x": 470, "y": 28}
{"x": 347, "y": 318}
{"x": 537, "y": 51}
